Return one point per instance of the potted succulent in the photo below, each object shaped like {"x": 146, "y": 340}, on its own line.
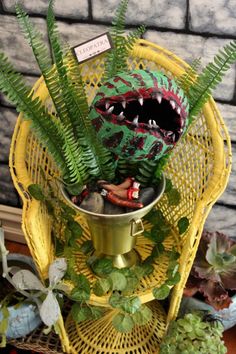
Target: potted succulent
{"x": 212, "y": 281}
{"x": 122, "y": 134}
{"x": 195, "y": 333}
{"x": 25, "y": 301}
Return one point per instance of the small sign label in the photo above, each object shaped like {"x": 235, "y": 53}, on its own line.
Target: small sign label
{"x": 93, "y": 47}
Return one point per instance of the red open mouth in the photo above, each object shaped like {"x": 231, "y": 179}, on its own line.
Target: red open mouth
{"x": 152, "y": 111}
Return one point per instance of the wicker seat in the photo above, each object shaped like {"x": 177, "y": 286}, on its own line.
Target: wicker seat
{"x": 199, "y": 168}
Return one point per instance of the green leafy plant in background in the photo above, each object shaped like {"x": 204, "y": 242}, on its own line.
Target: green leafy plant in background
{"x": 192, "y": 334}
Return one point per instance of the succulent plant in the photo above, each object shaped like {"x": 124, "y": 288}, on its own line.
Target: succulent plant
{"x": 193, "y": 335}
{"x": 213, "y": 272}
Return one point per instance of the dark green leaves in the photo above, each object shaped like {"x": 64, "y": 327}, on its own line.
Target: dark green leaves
{"x": 102, "y": 266}
{"x": 127, "y": 304}
{"x": 36, "y": 192}
{"x": 143, "y": 316}
{"x": 172, "y": 193}
{"x": 160, "y": 229}
{"x": 87, "y": 247}
{"x": 81, "y": 291}
{"x": 161, "y": 293}
{"x": 84, "y": 313}
{"x": 101, "y": 287}
{"x": 118, "y": 281}
{"x": 123, "y": 322}
{"x": 75, "y": 228}
{"x": 183, "y": 225}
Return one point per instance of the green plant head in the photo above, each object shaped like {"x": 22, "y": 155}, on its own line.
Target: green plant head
{"x": 140, "y": 115}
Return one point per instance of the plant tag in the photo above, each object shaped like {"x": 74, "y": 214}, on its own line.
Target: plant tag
{"x": 93, "y": 47}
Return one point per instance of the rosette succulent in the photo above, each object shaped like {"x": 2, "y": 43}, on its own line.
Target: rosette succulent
{"x": 213, "y": 273}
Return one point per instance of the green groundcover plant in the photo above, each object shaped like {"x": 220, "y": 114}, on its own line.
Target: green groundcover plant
{"x": 195, "y": 333}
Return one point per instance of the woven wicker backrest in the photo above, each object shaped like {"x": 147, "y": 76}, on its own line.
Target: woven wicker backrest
{"x": 199, "y": 169}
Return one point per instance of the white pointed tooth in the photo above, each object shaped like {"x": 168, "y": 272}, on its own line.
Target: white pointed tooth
{"x": 173, "y": 137}
{"x": 172, "y": 103}
{"x": 159, "y": 97}
{"x": 140, "y": 101}
{"x": 150, "y": 123}
{"x": 121, "y": 116}
{"x": 135, "y": 121}
{"x": 109, "y": 110}
{"x": 178, "y": 110}
{"x": 123, "y": 104}
{"x": 107, "y": 105}
{"x": 169, "y": 133}
{"x": 154, "y": 124}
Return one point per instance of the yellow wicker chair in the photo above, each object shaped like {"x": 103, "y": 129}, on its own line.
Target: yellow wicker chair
{"x": 199, "y": 168}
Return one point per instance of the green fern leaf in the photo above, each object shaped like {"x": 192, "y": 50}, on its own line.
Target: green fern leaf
{"x": 116, "y": 60}
{"x": 44, "y": 61}
{"x": 189, "y": 76}
{"x": 210, "y": 77}
{"x": 94, "y": 156}
{"x": 13, "y": 85}
{"x": 146, "y": 171}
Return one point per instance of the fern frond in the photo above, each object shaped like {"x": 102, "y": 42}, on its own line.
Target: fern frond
{"x": 43, "y": 58}
{"x": 116, "y": 60}
{"x": 94, "y": 156}
{"x": 126, "y": 168}
{"x": 210, "y": 77}
{"x": 73, "y": 157}
{"x": 146, "y": 171}
{"x": 97, "y": 158}
{"x": 13, "y": 85}
{"x": 132, "y": 38}
{"x": 189, "y": 76}
{"x": 161, "y": 164}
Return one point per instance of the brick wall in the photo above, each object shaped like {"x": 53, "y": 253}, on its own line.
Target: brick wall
{"x": 189, "y": 28}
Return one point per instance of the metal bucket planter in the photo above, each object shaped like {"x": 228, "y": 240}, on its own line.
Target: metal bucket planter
{"x": 115, "y": 236}
{"x": 24, "y": 317}
{"x": 226, "y": 316}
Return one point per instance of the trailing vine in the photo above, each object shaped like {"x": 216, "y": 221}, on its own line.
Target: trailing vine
{"x": 119, "y": 285}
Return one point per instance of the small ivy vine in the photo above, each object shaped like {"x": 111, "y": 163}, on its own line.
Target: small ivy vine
{"x": 118, "y": 284}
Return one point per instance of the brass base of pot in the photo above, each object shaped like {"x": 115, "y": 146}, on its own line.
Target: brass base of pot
{"x": 122, "y": 260}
